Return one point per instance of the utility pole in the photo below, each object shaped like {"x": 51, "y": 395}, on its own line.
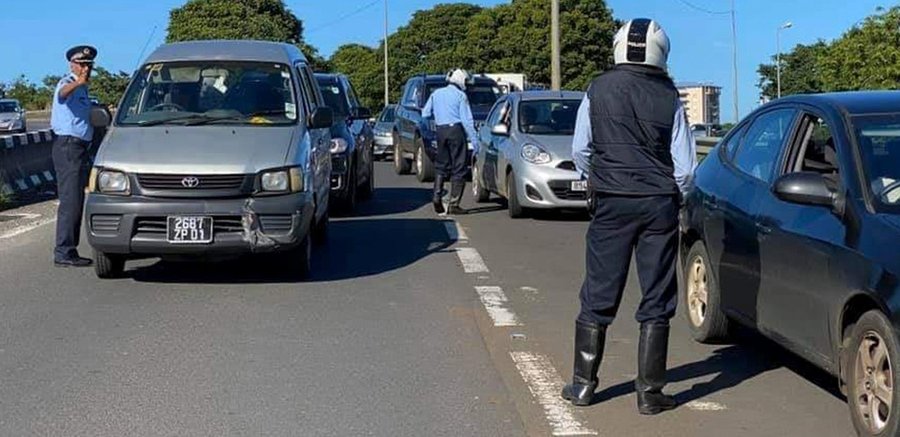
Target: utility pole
{"x": 734, "y": 64}
{"x": 787, "y": 25}
{"x": 387, "y": 92}
{"x": 554, "y": 46}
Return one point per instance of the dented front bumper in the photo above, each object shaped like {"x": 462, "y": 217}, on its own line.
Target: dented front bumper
{"x": 135, "y": 225}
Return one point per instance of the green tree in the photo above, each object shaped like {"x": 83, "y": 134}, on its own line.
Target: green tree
{"x": 363, "y": 65}
{"x": 866, "y": 57}
{"x": 266, "y": 20}
{"x": 108, "y": 87}
{"x": 801, "y": 72}
{"x": 30, "y": 95}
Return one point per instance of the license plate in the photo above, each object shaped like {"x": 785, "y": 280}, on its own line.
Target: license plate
{"x": 189, "y": 229}
{"x": 579, "y": 185}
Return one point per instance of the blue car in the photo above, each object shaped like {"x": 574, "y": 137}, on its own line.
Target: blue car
{"x": 793, "y": 230}
{"x": 414, "y": 137}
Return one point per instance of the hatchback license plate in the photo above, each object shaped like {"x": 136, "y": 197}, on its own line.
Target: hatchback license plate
{"x": 579, "y": 185}
{"x": 189, "y": 229}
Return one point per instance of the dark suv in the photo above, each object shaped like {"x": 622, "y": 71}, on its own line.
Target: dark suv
{"x": 414, "y": 138}
{"x": 352, "y": 148}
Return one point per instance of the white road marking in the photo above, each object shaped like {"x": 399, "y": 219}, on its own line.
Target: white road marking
{"x": 705, "y": 406}
{"x": 455, "y": 231}
{"x": 545, "y": 384}
{"x": 471, "y": 260}
{"x": 494, "y": 301}
{"x": 27, "y": 228}
{"x": 23, "y": 215}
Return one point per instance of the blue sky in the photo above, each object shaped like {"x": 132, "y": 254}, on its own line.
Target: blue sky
{"x": 38, "y": 32}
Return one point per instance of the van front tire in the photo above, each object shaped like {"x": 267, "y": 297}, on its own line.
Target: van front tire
{"x": 107, "y": 266}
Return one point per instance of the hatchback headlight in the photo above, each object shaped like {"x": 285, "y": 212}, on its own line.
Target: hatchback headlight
{"x": 535, "y": 154}
{"x": 282, "y": 180}
{"x": 338, "y": 145}
{"x": 110, "y": 182}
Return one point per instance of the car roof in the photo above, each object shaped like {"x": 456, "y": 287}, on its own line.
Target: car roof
{"x": 546, "y": 95}
{"x": 227, "y": 50}
{"x": 852, "y": 102}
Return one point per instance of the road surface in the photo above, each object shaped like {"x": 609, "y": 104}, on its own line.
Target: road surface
{"x": 409, "y": 325}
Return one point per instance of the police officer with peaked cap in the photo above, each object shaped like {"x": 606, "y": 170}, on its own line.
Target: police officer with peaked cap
{"x": 70, "y": 121}
{"x": 633, "y": 143}
{"x": 453, "y": 116}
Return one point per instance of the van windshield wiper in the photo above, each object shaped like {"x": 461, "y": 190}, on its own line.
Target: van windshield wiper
{"x": 184, "y": 117}
{"x": 234, "y": 117}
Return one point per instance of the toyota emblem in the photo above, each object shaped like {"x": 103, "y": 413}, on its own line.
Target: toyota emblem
{"x": 190, "y": 182}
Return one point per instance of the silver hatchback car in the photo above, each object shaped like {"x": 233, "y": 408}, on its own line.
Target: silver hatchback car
{"x": 219, "y": 149}
{"x": 525, "y": 153}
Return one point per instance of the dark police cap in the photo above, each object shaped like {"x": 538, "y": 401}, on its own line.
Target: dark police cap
{"x": 82, "y": 54}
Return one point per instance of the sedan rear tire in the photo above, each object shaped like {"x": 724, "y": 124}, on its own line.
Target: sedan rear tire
{"x": 872, "y": 352}
{"x": 702, "y": 298}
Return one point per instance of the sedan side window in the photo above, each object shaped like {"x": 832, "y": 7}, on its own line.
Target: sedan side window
{"x": 494, "y": 116}
{"x": 759, "y": 151}
{"x": 817, "y": 152}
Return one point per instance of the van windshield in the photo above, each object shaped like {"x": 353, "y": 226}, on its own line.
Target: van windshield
{"x": 190, "y": 93}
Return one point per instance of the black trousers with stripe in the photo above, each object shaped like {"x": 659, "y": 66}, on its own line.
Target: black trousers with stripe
{"x": 646, "y": 227}
{"x": 70, "y": 155}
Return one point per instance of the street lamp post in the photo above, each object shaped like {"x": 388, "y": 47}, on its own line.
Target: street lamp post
{"x": 786, "y": 25}
{"x": 387, "y": 94}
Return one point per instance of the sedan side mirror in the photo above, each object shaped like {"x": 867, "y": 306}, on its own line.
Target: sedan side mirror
{"x": 321, "y": 118}
{"x": 361, "y": 113}
{"x": 805, "y": 188}
{"x": 501, "y": 130}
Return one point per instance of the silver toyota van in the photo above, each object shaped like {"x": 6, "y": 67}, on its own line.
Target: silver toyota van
{"x": 218, "y": 149}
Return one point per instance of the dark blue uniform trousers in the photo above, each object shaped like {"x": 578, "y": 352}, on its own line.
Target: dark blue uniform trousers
{"x": 69, "y": 159}
{"x": 646, "y": 226}
{"x": 450, "y": 160}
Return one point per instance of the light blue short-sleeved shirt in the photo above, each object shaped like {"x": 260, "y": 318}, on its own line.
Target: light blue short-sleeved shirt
{"x": 71, "y": 116}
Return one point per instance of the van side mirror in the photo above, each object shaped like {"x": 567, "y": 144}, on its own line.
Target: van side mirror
{"x": 100, "y": 117}
{"x": 362, "y": 113}
{"x": 321, "y": 118}
{"x": 500, "y": 129}
{"x": 805, "y": 188}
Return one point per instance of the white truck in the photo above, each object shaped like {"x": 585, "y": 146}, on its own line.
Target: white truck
{"x": 509, "y": 82}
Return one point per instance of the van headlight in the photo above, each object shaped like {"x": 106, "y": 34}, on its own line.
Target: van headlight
{"x": 535, "y": 154}
{"x": 338, "y": 145}
{"x": 110, "y": 182}
{"x": 282, "y": 180}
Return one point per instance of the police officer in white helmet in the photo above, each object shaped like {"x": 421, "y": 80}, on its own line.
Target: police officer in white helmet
{"x": 453, "y": 117}
{"x": 634, "y": 145}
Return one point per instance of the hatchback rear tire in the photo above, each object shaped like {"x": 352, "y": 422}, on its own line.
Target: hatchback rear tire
{"x": 872, "y": 352}
{"x": 703, "y": 298}
{"x": 480, "y": 193}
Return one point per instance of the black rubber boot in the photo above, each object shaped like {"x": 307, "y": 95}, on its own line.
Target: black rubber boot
{"x": 438, "y": 200}
{"x": 589, "y": 342}
{"x": 653, "y": 348}
{"x": 457, "y": 188}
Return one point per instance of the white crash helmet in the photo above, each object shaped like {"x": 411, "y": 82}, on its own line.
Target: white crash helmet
{"x": 641, "y": 41}
{"x": 459, "y": 77}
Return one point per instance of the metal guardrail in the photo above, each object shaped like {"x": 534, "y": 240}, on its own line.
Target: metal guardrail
{"x": 705, "y": 145}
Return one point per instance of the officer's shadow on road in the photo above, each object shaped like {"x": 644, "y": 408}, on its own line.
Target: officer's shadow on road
{"x": 732, "y": 365}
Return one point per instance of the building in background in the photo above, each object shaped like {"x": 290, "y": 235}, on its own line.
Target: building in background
{"x": 701, "y": 102}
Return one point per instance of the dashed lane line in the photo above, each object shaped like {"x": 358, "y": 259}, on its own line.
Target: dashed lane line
{"x": 545, "y": 384}
{"x": 705, "y": 406}
{"x": 455, "y": 231}
{"x": 494, "y": 301}
{"x": 471, "y": 260}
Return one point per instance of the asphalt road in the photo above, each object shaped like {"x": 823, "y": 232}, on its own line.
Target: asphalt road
{"x": 408, "y": 326}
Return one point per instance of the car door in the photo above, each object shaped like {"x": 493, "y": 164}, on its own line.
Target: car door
{"x": 504, "y": 146}
{"x": 484, "y": 138}
{"x": 320, "y": 139}
{"x": 362, "y": 135}
{"x": 491, "y": 150}
{"x": 734, "y": 202}
{"x": 412, "y": 113}
{"x": 797, "y": 243}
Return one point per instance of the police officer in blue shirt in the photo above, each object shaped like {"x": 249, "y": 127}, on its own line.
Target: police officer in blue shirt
{"x": 70, "y": 121}
{"x": 453, "y": 116}
{"x": 633, "y": 143}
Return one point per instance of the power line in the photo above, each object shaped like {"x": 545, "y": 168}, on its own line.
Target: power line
{"x": 704, "y": 10}
{"x": 345, "y": 16}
